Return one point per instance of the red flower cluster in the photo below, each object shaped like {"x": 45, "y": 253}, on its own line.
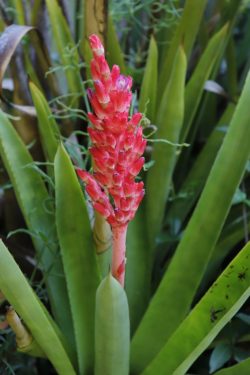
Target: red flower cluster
{"x": 117, "y": 143}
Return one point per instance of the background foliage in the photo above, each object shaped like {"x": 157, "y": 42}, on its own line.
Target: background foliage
{"x": 189, "y": 61}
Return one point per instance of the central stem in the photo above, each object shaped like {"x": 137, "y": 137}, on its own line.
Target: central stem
{"x": 119, "y": 251}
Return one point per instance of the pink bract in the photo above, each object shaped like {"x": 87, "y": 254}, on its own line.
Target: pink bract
{"x": 117, "y": 143}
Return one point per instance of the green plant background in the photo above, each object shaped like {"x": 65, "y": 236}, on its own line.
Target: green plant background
{"x": 185, "y": 306}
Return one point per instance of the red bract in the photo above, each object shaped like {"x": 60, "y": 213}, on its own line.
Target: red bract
{"x": 117, "y": 143}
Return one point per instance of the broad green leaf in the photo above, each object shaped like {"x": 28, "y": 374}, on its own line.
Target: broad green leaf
{"x": 111, "y": 329}
{"x": 48, "y": 129}
{"x": 169, "y": 122}
{"x": 138, "y": 270}
{"x": 185, "y": 34}
{"x": 33, "y": 199}
{"x": 205, "y": 321}
{"x": 195, "y": 86}
{"x": 65, "y": 45}
{"x": 21, "y": 296}
{"x": 114, "y": 51}
{"x": 149, "y": 83}
{"x": 196, "y": 178}
{"x": 75, "y": 238}
{"x": 175, "y": 293}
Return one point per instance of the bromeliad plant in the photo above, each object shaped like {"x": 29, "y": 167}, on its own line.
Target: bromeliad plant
{"x": 166, "y": 311}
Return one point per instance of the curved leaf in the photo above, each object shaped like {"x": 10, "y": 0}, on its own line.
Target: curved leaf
{"x": 209, "y": 316}
{"x": 9, "y": 41}
{"x": 32, "y": 198}
{"x": 21, "y": 296}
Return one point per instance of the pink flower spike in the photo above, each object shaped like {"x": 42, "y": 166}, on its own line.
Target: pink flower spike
{"x": 117, "y": 146}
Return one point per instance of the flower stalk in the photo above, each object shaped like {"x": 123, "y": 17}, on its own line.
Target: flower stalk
{"x": 117, "y": 148}
{"x": 119, "y": 253}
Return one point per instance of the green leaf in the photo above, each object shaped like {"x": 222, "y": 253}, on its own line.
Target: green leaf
{"x": 196, "y": 178}
{"x": 65, "y": 45}
{"x": 220, "y": 355}
{"x": 169, "y": 121}
{"x": 229, "y": 238}
{"x": 149, "y": 83}
{"x": 48, "y": 129}
{"x": 185, "y": 34}
{"x": 114, "y": 51}
{"x": 138, "y": 271}
{"x": 205, "y": 321}
{"x": 32, "y": 198}
{"x": 75, "y": 237}
{"x": 177, "y": 288}
{"x": 239, "y": 369}
{"x": 20, "y": 295}
{"x": 195, "y": 86}
{"x": 230, "y": 13}
{"x": 111, "y": 329}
